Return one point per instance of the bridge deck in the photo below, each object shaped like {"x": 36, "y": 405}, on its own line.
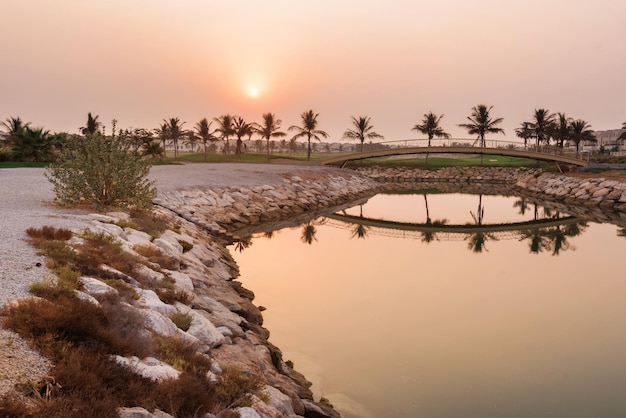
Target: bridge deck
{"x": 534, "y": 155}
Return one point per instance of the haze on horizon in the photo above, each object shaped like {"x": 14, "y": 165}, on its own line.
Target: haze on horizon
{"x": 142, "y": 61}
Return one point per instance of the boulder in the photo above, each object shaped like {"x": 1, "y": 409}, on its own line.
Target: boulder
{"x": 97, "y": 288}
{"x": 149, "y": 367}
{"x": 204, "y": 330}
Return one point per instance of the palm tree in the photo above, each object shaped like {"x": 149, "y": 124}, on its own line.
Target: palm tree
{"x": 482, "y": 123}
{"x": 93, "y": 125}
{"x": 33, "y": 144}
{"x": 203, "y": 129}
{"x": 581, "y": 131}
{"x": 542, "y": 126}
{"x": 562, "y": 129}
{"x": 162, "y": 133}
{"x": 175, "y": 132}
{"x": 269, "y": 129}
{"x": 525, "y": 131}
{"x": 362, "y": 130}
{"x": 225, "y": 129}
{"x": 430, "y": 126}
{"x": 191, "y": 139}
{"x": 241, "y": 128}
{"x": 13, "y": 126}
{"x": 308, "y": 130}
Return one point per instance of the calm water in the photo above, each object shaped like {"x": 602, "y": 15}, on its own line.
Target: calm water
{"x": 421, "y": 316}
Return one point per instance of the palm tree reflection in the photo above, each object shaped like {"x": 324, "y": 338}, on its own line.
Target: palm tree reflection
{"x": 360, "y": 230}
{"x": 243, "y": 243}
{"x": 429, "y": 236}
{"x": 477, "y": 240}
{"x": 308, "y": 233}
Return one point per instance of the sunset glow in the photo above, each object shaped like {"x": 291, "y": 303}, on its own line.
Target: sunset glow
{"x": 140, "y": 62}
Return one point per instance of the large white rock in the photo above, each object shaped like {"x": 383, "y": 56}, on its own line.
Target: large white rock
{"x": 247, "y": 412}
{"x": 149, "y": 367}
{"x": 148, "y": 299}
{"x": 181, "y": 280}
{"x": 204, "y": 330}
{"x": 97, "y": 288}
{"x": 136, "y": 237}
{"x": 168, "y": 242}
{"x": 139, "y": 412}
{"x": 162, "y": 325}
{"x": 280, "y": 401}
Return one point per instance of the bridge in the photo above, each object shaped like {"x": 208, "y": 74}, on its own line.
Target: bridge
{"x": 464, "y": 146}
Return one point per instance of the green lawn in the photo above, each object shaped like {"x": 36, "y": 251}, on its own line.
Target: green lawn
{"x": 435, "y": 162}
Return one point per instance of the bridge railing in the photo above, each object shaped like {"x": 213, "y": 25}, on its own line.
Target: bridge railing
{"x": 489, "y": 143}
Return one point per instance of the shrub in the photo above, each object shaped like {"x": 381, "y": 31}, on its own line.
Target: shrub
{"x": 102, "y": 171}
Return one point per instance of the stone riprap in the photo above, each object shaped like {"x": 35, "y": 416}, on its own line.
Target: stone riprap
{"x": 609, "y": 194}
{"x": 447, "y": 174}
{"x": 223, "y": 210}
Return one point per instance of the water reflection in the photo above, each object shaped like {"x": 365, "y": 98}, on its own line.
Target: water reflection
{"x": 390, "y": 313}
{"x": 548, "y": 230}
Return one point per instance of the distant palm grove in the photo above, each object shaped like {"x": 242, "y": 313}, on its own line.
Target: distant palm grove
{"x": 232, "y": 135}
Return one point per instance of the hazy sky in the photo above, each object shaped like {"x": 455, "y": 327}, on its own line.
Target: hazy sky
{"x": 140, "y": 61}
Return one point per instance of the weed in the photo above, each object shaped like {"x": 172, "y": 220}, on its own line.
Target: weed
{"x": 181, "y": 355}
{"x": 149, "y": 222}
{"x": 67, "y": 276}
{"x": 155, "y": 255}
{"x": 182, "y": 320}
{"x": 170, "y": 296}
{"x": 234, "y": 387}
{"x": 187, "y": 246}
{"x": 123, "y": 288}
{"x": 49, "y": 233}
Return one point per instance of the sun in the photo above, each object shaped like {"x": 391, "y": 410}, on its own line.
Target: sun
{"x": 253, "y": 91}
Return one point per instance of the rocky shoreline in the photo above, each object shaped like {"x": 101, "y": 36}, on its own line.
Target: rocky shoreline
{"x": 226, "y": 325}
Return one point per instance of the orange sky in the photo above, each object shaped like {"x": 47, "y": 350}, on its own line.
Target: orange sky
{"x": 140, "y": 61}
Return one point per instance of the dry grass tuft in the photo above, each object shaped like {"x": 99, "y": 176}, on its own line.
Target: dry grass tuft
{"x": 155, "y": 255}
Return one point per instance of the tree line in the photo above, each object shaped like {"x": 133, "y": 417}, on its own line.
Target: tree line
{"x": 22, "y": 142}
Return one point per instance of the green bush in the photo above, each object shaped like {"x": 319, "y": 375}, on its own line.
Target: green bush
{"x": 102, "y": 171}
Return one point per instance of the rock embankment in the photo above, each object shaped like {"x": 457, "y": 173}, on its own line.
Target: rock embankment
{"x": 223, "y": 210}
{"x": 608, "y": 194}
{"x": 448, "y": 174}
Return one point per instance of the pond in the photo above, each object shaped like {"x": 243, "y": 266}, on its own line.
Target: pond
{"x": 427, "y": 304}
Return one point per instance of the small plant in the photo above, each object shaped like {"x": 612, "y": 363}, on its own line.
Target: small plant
{"x": 182, "y": 320}
{"x": 155, "y": 255}
{"x": 187, "y": 246}
{"x": 149, "y": 222}
{"x": 170, "y": 296}
{"x": 235, "y": 387}
{"x": 67, "y": 276}
{"x": 48, "y": 233}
